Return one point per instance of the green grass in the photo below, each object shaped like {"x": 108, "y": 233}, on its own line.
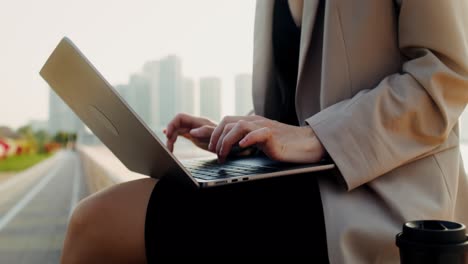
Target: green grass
{"x": 19, "y": 163}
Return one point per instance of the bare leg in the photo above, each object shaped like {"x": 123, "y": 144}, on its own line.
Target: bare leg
{"x": 108, "y": 227}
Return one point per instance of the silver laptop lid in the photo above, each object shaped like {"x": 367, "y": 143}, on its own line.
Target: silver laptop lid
{"x": 100, "y": 107}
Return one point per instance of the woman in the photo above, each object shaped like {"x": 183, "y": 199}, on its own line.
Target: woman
{"x": 378, "y": 86}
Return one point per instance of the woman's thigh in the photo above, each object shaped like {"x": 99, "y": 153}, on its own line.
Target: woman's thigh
{"x": 271, "y": 217}
{"x": 108, "y": 227}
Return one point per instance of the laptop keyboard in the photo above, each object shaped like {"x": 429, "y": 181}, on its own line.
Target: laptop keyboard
{"x": 211, "y": 170}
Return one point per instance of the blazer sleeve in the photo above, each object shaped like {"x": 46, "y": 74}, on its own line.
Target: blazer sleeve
{"x": 410, "y": 113}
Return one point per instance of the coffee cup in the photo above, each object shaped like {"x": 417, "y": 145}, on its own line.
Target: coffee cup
{"x": 433, "y": 242}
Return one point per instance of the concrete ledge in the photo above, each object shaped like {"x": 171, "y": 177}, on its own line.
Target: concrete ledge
{"x": 102, "y": 169}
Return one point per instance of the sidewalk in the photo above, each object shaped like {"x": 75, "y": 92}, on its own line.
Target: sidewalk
{"x": 4, "y": 176}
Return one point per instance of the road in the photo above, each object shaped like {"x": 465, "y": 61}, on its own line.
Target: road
{"x": 35, "y": 206}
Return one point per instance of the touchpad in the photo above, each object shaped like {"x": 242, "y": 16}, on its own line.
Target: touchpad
{"x": 103, "y": 120}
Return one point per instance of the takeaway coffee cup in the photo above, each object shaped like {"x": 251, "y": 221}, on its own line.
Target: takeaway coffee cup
{"x": 433, "y": 242}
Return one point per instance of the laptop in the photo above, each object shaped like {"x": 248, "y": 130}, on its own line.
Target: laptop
{"x": 110, "y": 118}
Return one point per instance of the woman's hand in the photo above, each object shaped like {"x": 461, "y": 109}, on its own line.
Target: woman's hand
{"x": 196, "y": 129}
{"x": 278, "y": 141}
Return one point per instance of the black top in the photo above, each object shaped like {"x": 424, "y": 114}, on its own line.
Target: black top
{"x": 286, "y": 42}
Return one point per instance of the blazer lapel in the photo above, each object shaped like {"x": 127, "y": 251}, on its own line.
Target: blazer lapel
{"x": 309, "y": 14}
{"x": 263, "y": 68}
{"x": 309, "y": 69}
{"x": 323, "y": 76}
{"x": 264, "y": 83}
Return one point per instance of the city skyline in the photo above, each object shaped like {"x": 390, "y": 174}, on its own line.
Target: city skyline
{"x": 242, "y": 88}
{"x": 149, "y": 91}
{"x": 61, "y": 118}
{"x": 118, "y": 37}
{"x": 161, "y": 89}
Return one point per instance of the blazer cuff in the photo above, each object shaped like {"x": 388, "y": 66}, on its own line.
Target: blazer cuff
{"x": 330, "y": 128}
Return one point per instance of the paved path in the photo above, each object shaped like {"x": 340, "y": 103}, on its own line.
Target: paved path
{"x": 34, "y": 209}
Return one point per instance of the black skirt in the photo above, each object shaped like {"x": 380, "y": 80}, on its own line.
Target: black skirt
{"x": 279, "y": 216}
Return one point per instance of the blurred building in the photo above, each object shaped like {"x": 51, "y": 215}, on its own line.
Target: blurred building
{"x": 188, "y": 96}
{"x": 210, "y": 98}
{"x": 141, "y": 92}
{"x": 126, "y": 92}
{"x": 152, "y": 72}
{"x": 136, "y": 94}
{"x": 61, "y": 117}
{"x": 170, "y": 89}
{"x": 243, "y": 91}
{"x": 156, "y": 94}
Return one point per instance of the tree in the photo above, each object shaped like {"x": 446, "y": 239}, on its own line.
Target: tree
{"x": 27, "y": 134}
{"x": 42, "y": 138}
{"x": 61, "y": 137}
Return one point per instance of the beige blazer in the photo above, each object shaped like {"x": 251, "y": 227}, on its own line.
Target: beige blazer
{"x": 383, "y": 87}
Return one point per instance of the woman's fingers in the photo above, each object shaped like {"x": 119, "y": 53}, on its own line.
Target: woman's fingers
{"x": 179, "y": 121}
{"x": 232, "y": 137}
{"x": 257, "y": 137}
{"x": 182, "y": 124}
{"x": 227, "y": 129}
{"x": 171, "y": 141}
{"x": 202, "y": 132}
{"x": 218, "y": 131}
{"x": 220, "y": 128}
{"x": 186, "y": 121}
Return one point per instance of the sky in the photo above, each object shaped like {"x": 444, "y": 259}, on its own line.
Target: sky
{"x": 213, "y": 38}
